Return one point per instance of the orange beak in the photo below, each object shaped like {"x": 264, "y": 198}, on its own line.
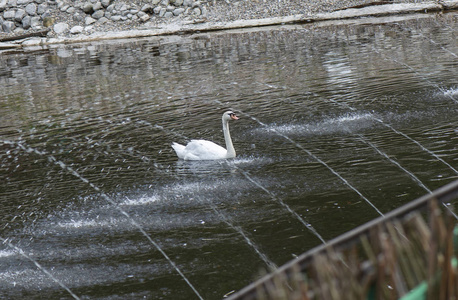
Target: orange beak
{"x": 234, "y": 117}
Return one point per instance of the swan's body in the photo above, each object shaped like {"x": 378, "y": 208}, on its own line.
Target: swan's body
{"x": 206, "y": 150}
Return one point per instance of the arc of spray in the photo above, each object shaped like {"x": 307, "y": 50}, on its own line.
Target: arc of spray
{"x": 40, "y": 267}
{"x": 395, "y": 162}
{"x": 225, "y": 219}
{"x": 315, "y": 158}
{"x": 112, "y": 202}
{"x": 282, "y": 203}
{"x": 414, "y": 178}
{"x": 286, "y": 206}
{"x": 400, "y": 133}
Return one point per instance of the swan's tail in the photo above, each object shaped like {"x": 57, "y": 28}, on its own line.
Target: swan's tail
{"x": 179, "y": 149}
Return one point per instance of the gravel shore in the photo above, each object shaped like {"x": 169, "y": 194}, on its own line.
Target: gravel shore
{"x": 66, "y": 18}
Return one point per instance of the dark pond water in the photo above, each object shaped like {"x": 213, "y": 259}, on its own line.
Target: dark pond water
{"x": 339, "y": 124}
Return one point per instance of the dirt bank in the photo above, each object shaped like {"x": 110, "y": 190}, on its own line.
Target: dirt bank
{"x": 140, "y": 18}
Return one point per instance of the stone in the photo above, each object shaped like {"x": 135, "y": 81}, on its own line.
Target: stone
{"x": 157, "y": 10}
{"x": 27, "y": 22}
{"x": 188, "y": 3}
{"x": 170, "y": 8}
{"x": 110, "y": 8}
{"x": 3, "y": 5}
{"x": 124, "y": 7}
{"x": 71, "y": 10}
{"x": 31, "y": 9}
{"x": 60, "y": 28}
{"x": 162, "y": 11}
{"x": 102, "y": 20}
{"x": 97, "y": 6}
{"x": 19, "y": 15}
{"x": 196, "y": 11}
{"x": 146, "y": 8}
{"x": 76, "y": 29}
{"x": 88, "y": 8}
{"x": 168, "y": 14}
{"x": 42, "y": 8}
{"x": 12, "y": 3}
{"x": 78, "y": 18}
{"x": 98, "y": 14}
{"x": 155, "y": 2}
{"x": 144, "y": 17}
{"x": 22, "y": 2}
{"x": 178, "y": 2}
{"x": 9, "y": 14}
{"x": 89, "y": 21}
{"x": 105, "y": 3}
{"x": 178, "y": 11}
{"x": 18, "y": 30}
{"x": 39, "y": 1}
{"x": 8, "y": 26}
{"x": 36, "y": 23}
{"x": 115, "y": 18}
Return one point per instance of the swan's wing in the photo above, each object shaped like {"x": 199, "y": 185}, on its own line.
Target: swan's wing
{"x": 203, "y": 150}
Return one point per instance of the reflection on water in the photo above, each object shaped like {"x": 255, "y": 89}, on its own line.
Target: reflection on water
{"x": 338, "y": 123}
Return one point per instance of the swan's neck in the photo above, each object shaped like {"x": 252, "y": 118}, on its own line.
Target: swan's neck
{"x": 227, "y": 138}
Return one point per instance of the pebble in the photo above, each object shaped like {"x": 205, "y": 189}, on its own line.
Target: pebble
{"x": 60, "y": 28}
{"x": 9, "y": 14}
{"x": 89, "y": 21}
{"x": 76, "y": 29}
{"x": 3, "y": 4}
{"x": 8, "y": 26}
{"x": 98, "y": 14}
{"x": 19, "y": 15}
{"x": 31, "y": 9}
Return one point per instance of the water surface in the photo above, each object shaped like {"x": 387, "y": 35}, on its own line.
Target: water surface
{"x": 339, "y": 124}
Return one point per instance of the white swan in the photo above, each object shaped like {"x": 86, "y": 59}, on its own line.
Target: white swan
{"x": 206, "y": 150}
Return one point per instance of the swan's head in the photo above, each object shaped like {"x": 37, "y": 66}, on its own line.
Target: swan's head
{"x": 230, "y": 115}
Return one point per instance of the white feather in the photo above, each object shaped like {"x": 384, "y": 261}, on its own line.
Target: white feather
{"x": 207, "y": 150}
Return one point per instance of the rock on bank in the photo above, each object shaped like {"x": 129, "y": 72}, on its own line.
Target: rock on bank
{"x": 64, "y": 16}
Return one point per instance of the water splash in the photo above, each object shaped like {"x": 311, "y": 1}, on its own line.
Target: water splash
{"x": 282, "y": 203}
{"x": 225, "y": 219}
{"x": 430, "y": 40}
{"x": 40, "y": 267}
{"x": 286, "y": 206}
{"x": 399, "y": 133}
{"x": 411, "y": 175}
{"x": 452, "y": 92}
{"x": 70, "y": 170}
{"x": 239, "y": 230}
{"x": 329, "y": 126}
{"x": 415, "y": 178}
{"x": 435, "y": 85}
{"x": 309, "y": 153}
